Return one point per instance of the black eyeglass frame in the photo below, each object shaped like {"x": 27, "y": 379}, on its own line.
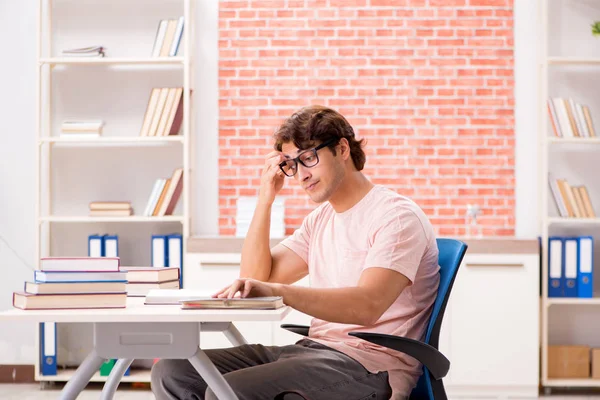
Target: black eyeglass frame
{"x": 298, "y": 160}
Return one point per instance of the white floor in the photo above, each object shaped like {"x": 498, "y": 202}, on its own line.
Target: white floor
{"x": 32, "y": 391}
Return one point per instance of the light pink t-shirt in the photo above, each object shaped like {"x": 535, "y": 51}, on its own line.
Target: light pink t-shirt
{"x": 385, "y": 230}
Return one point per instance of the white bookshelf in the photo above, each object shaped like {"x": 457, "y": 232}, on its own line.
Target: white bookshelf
{"x": 568, "y": 56}
{"x": 119, "y": 164}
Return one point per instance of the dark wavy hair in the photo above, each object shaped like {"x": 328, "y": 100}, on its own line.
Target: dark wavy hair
{"x": 316, "y": 124}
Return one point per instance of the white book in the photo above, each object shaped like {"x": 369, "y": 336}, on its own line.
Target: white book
{"x": 160, "y": 36}
{"x": 79, "y": 263}
{"x": 177, "y": 39}
{"x": 563, "y": 117}
{"x": 154, "y": 195}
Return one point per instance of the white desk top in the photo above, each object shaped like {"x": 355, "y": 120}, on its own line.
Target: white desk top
{"x": 136, "y": 311}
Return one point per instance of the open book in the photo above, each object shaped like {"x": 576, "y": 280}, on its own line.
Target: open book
{"x": 260, "y": 303}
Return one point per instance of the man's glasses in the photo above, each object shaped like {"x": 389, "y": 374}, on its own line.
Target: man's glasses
{"x": 308, "y": 158}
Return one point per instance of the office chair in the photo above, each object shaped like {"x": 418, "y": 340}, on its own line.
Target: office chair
{"x": 435, "y": 364}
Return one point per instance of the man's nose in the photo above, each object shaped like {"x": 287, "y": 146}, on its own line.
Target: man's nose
{"x": 303, "y": 173}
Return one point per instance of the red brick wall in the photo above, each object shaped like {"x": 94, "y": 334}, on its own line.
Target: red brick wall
{"x": 429, "y": 83}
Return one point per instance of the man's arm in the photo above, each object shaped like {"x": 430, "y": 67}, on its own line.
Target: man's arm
{"x": 364, "y": 304}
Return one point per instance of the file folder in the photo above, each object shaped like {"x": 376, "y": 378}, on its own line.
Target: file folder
{"x": 159, "y": 253}
{"x": 95, "y": 246}
{"x": 111, "y": 246}
{"x": 555, "y": 261}
{"x": 570, "y": 267}
{"x": 175, "y": 254}
{"x": 48, "y": 348}
{"x": 585, "y": 264}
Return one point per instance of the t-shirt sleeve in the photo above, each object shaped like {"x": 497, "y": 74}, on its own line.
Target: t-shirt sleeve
{"x": 299, "y": 241}
{"x": 399, "y": 243}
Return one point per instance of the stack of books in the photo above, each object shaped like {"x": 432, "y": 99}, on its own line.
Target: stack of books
{"x": 140, "y": 280}
{"x": 165, "y": 195}
{"x": 164, "y": 112}
{"x": 168, "y": 38}
{"x": 81, "y": 128}
{"x": 110, "y": 209}
{"x": 74, "y": 282}
{"x": 91, "y": 51}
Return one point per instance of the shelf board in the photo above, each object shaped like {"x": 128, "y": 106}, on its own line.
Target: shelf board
{"x": 582, "y": 382}
{"x": 572, "y": 60}
{"x": 113, "y": 141}
{"x": 112, "y": 60}
{"x": 565, "y": 220}
{"x": 591, "y": 140}
{"x": 133, "y": 218}
{"x": 573, "y": 301}
{"x": 63, "y": 375}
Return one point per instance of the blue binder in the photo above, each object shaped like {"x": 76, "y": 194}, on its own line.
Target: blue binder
{"x": 555, "y": 269}
{"x": 48, "y": 348}
{"x": 175, "y": 254}
{"x": 111, "y": 246}
{"x": 585, "y": 266}
{"x": 95, "y": 246}
{"x": 159, "y": 255}
{"x": 570, "y": 267}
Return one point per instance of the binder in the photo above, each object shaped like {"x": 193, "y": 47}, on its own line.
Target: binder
{"x": 585, "y": 266}
{"x": 555, "y": 261}
{"x": 95, "y": 246}
{"x": 111, "y": 246}
{"x": 175, "y": 254}
{"x": 570, "y": 267}
{"x": 159, "y": 253}
{"x": 48, "y": 348}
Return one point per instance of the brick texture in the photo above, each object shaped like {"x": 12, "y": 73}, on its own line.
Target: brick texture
{"x": 428, "y": 83}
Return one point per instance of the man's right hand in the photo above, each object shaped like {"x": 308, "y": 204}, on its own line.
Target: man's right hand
{"x": 272, "y": 178}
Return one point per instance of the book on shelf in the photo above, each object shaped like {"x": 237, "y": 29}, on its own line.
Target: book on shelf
{"x": 165, "y": 194}
{"x": 110, "y": 208}
{"x": 81, "y": 128}
{"x": 570, "y": 119}
{"x": 246, "y": 303}
{"x": 164, "y": 112}
{"x": 169, "y": 35}
{"x": 571, "y": 201}
{"x": 90, "y": 51}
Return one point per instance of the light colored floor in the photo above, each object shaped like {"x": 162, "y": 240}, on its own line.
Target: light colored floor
{"x": 32, "y": 391}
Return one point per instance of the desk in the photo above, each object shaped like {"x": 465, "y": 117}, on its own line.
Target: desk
{"x": 147, "y": 332}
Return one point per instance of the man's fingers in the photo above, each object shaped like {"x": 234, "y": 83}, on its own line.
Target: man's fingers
{"x": 247, "y": 288}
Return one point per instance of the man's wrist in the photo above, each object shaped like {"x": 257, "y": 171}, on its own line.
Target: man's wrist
{"x": 279, "y": 289}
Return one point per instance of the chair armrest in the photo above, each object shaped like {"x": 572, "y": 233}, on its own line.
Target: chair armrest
{"x": 299, "y": 329}
{"x": 427, "y": 355}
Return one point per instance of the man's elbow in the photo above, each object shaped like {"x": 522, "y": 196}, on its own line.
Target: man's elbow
{"x": 371, "y": 314}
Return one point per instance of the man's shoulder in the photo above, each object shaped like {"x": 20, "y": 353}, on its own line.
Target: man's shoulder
{"x": 391, "y": 204}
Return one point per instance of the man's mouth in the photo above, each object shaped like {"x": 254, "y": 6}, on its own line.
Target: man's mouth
{"x": 311, "y": 186}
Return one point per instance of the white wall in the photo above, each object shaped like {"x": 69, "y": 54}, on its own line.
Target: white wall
{"x": 17, "y": 149}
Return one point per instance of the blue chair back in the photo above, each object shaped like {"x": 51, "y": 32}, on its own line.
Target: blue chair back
{"x": 451, "y": 253}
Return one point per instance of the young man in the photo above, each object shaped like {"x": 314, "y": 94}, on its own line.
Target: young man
{"x": 372, "y": 259}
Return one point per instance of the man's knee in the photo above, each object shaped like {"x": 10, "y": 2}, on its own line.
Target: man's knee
{"x": 171, "y": 378}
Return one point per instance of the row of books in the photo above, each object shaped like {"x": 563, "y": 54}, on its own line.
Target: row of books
{"x": 569, "y": 118}
{"x": 169, "y": 35}
{"x": 165, "y": 195}
{"x": 571, "y": 201}
{"x": 164, "y": 112}
{"x": 571, "y": 266}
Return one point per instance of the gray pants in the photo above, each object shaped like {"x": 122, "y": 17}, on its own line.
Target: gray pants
{"x": 311, "y": 370}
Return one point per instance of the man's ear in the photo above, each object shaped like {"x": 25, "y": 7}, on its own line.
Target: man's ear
{"x": 344, "y": 148}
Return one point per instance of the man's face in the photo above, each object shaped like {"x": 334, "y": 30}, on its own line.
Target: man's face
{"x": 321, "y": 180}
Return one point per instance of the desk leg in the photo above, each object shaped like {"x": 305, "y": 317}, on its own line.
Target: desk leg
{"x": 82, "y": 376}
{"x": 110, "y": 387}
{"x": 234, "y": 336}
{"x": 212, "y": 376}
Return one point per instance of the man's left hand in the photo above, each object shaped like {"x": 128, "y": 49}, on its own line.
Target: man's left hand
{"x": 247, "y": 287}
